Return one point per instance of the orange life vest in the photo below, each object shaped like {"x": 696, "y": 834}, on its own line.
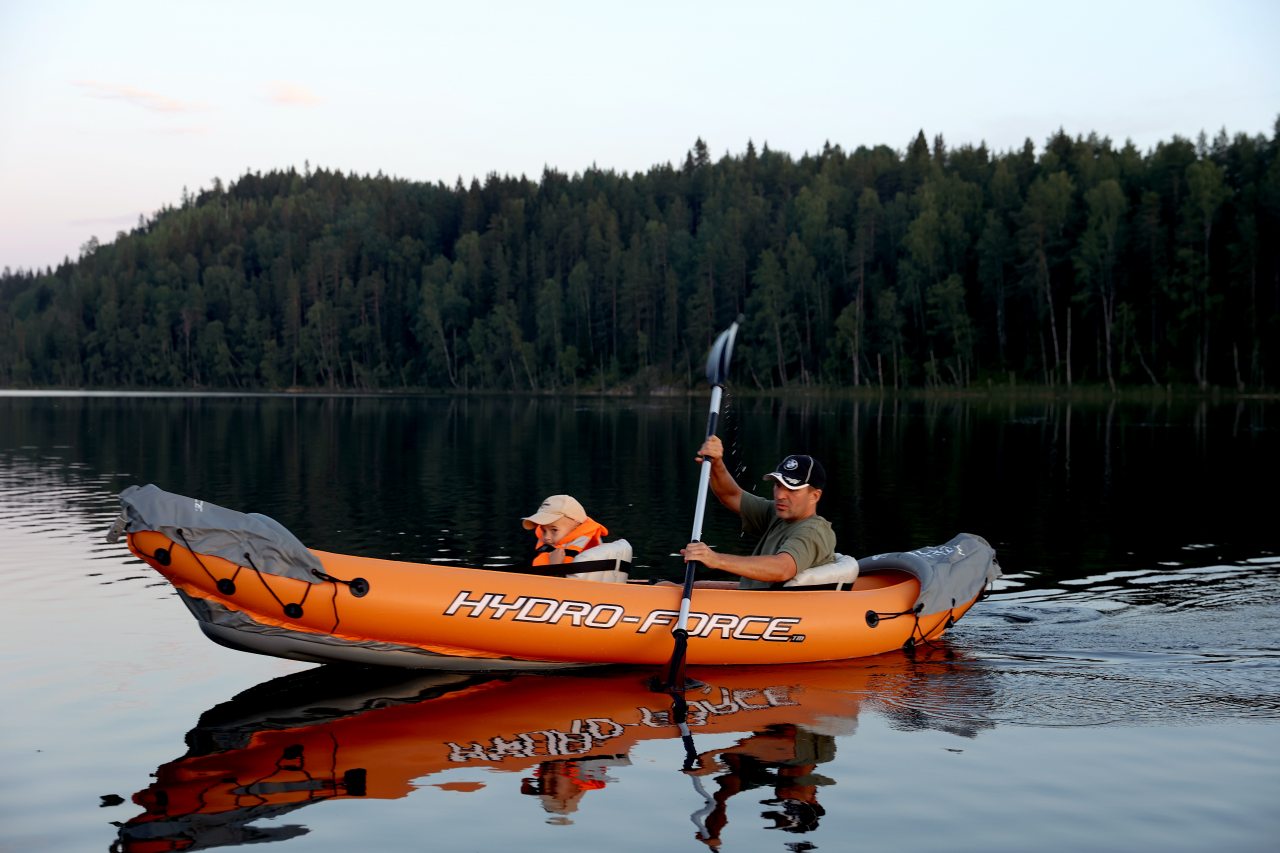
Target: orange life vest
{"x": 586, "y": 535}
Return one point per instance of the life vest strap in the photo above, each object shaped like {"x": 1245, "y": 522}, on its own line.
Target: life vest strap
{"x": 574, "y": 568}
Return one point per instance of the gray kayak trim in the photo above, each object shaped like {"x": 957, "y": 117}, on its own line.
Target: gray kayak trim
{"x": 206, "y": 528}
{"x": 950, "y": 575}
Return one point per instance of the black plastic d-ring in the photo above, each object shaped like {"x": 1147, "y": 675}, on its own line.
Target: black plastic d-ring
{"x": 359, "y": 587}
{"x": 873, "y": 619}
{"x": 293, "y": 611}
{"x": 226, "y": 586}
{"x": 162, "y": 556}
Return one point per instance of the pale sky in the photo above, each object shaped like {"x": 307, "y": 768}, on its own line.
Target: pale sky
{"x": 109, "y": 109}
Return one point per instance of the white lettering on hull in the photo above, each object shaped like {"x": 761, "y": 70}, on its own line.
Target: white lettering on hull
{"x": 604, "y": 616}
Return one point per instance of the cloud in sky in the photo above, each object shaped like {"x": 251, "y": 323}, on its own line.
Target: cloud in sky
{"x": 291, "y": 94}
{"x": 151, "y": 101}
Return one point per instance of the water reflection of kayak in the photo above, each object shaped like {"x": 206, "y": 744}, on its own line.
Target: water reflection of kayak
{"x": 335, "y": 733}
{"x": 253, "y": 586}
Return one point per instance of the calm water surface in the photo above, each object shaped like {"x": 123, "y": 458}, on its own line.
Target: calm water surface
{"x": 1119, "y": 691}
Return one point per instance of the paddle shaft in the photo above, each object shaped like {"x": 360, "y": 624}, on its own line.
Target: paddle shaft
{"x": 717, "y": 372}
{"x": 675, "y": 673}
{"x": 700, "y": 511}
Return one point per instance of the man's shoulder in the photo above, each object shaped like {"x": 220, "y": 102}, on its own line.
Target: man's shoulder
{"x": 815, "y": 529}
{"x": 813, "y": 522}
{"x": 810, "y": 542}
{"x": 756, "y": 512}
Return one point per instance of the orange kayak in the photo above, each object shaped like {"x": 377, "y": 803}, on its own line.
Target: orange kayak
{"x": 263, "y": 592}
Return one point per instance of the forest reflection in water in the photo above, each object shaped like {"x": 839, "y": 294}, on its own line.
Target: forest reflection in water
{"x": 1056, "y": 487}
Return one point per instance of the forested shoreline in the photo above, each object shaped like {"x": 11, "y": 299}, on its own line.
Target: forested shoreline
{"x": 1082, "y": 264}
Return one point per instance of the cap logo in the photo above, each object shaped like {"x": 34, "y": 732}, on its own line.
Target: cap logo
{"x": 797, "y": 471}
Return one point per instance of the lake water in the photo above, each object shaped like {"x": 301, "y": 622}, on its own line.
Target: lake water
{"x": 1120, "y": 690}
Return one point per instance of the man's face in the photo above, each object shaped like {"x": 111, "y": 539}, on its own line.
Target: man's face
{"x": 797, "y": 504}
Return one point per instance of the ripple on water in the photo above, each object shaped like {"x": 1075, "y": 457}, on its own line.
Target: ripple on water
{"x": 1187, "y": 652}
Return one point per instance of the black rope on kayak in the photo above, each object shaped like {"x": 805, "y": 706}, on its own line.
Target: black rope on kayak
{"x": 292, "y": 610}
{"x": 359, "y": 589}
{"x": 910, "y": 644}
{"x": 295, "y": 611}
{"x": 874, "y": 618}
{"x": 199, "y": 562}
{"x": 336, "y": 618}
{"x": 359, "y": 586}
{"x": 161, "y": 555}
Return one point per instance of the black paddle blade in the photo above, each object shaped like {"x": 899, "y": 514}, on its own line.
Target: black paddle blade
{"x": 721, "y": 353}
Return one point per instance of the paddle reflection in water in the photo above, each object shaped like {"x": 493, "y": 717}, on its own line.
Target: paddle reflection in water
{"x": 333, "y": 733}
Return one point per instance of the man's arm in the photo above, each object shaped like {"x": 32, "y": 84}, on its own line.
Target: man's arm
{"x": 773, "y": 568}
{"x": 725, "y": 488}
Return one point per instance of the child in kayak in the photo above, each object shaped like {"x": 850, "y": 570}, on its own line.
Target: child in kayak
{"x": 563, "y": 530}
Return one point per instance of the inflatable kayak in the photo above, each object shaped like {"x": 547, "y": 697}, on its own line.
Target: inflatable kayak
{"x": 251, "y": 585}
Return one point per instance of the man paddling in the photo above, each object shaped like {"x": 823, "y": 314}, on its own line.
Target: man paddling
{"x": 792, "y": 536}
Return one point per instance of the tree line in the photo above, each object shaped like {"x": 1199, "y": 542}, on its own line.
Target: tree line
{"x": 934, "y": 267}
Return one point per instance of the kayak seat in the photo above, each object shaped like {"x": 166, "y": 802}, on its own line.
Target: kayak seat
{"x": 608, "y": 561}
{"x": 840, "y": 573}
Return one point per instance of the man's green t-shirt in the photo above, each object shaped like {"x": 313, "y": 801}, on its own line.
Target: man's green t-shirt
{"x": 810, "y": 541}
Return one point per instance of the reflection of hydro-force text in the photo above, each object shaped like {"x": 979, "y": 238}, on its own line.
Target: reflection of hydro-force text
{"x": 587, "y": 736}
{"x": 584, "y": 614}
